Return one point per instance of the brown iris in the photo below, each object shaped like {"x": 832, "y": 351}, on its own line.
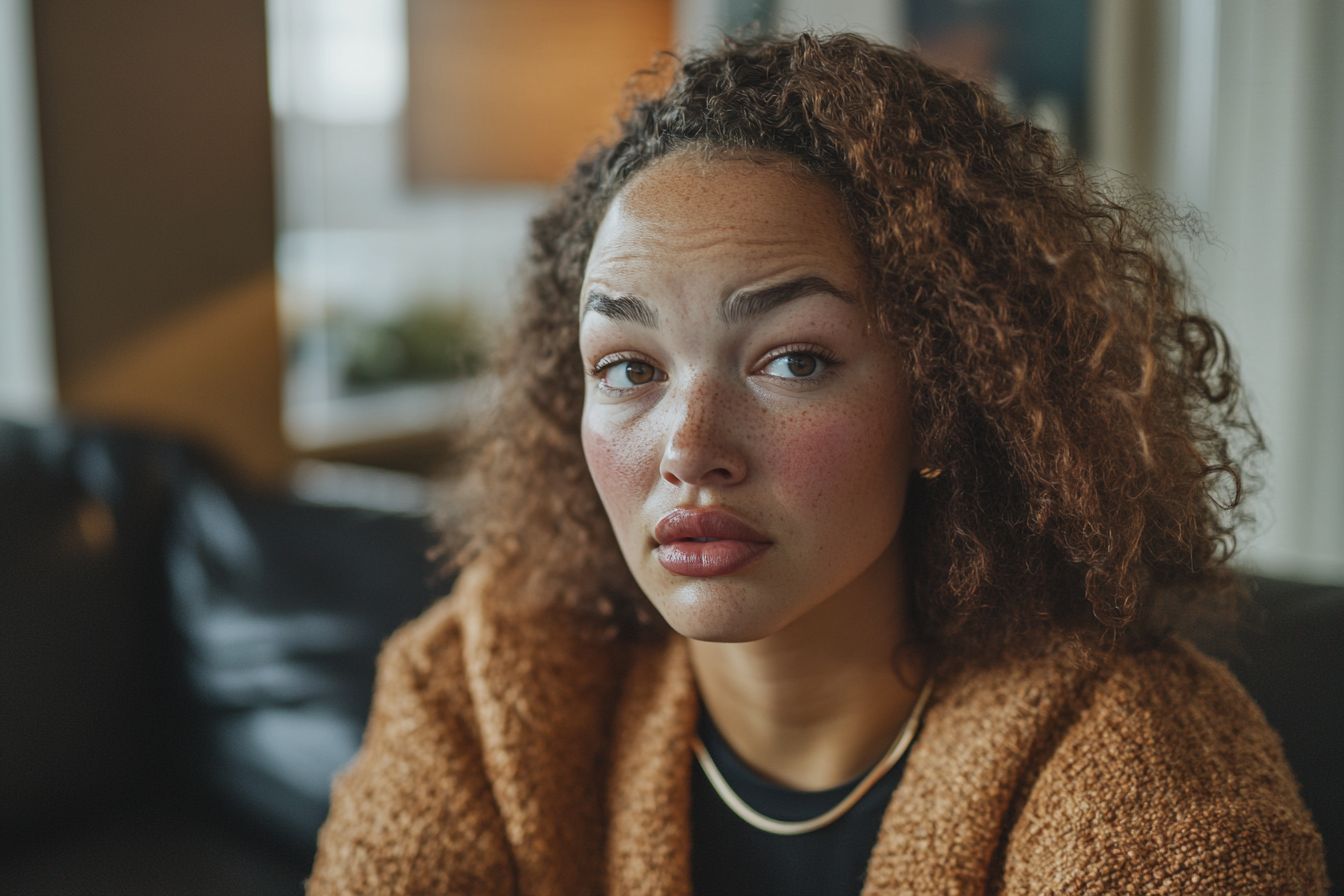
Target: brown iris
{"x": 801, "y": 365}
{"x": 638, "y": 372}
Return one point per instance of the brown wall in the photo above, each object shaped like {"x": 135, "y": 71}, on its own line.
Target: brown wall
{"x": 156, "y": 153}
{"x": 513, "y": 90}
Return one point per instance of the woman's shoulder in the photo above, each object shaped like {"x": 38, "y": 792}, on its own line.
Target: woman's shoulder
{"x": 1168, "y": 694}
{"x": 1148, "y": 771}
{"x": 420, "y": 760}
{"x": 1157, "y": 766}
{"x": 482, "y": 724}
{"x": 472, "y": 638}
{"x": 1169, "y": 717}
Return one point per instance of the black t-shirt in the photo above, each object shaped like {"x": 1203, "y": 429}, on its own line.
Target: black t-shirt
{"x": 729, "y": 856}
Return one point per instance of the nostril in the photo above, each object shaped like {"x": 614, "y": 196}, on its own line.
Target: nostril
{"x": 700, "y": 450}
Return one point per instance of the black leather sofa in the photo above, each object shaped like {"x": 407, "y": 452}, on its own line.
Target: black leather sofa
{"x": 184, "y": 663}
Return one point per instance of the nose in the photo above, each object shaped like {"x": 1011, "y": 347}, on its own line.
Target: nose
{"x": 700, "y": 448}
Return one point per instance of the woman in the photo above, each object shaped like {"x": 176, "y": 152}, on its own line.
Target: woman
{"x": 855, "y": 459}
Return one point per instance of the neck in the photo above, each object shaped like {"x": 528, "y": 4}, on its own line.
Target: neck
{"x": 820, "y": 701}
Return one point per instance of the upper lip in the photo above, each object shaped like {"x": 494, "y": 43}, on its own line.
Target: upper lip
{"x": 705, "y": 522}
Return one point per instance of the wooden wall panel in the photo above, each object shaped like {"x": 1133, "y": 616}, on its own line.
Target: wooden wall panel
{"x": 513, "y": 90}
{"x": 155, "y": 127}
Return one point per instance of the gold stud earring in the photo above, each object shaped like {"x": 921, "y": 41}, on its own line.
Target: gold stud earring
{"x": 930, "y": 472}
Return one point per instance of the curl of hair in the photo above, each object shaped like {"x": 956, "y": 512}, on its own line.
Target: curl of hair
{"x": 1090, "y": 425}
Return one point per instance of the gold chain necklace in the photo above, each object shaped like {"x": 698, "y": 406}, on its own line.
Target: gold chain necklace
{"x": 790, "y": 828}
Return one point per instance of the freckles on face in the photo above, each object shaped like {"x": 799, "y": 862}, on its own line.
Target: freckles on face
{"x": 814, "y": 455}
{"x": 732, "y": 369}
{"x": 618, "y": 459}
{"x": 843, "y": 465}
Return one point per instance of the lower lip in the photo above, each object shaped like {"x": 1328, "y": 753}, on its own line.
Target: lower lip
{"x": 705, "y": 559}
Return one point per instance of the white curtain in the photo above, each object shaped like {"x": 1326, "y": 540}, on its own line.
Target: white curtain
{"x": 1255, "y": 137}
{"x": 27, "y": 378}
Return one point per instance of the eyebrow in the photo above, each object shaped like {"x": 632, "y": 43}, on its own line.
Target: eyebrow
{"x": 621, "y": 307}
{"x": 749, "y": 303}
{"x": 740, "y": 306}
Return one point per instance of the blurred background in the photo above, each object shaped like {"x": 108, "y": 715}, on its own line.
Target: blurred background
{"x": 267, "y": 243}
{"x": 288, "y": 229}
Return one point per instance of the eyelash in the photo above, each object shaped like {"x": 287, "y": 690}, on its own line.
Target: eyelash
{"x": 826, "y": 357}
{"x": 609, "y": 361}
{"x": 830, "y": 360}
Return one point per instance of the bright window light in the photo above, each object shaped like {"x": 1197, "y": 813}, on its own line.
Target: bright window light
{"x": 338, "y": 61}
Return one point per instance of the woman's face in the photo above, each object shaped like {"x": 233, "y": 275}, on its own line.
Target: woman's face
{"x": 746, "y": 427}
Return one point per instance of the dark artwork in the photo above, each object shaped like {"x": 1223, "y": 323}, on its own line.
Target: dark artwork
{"x": 1033, "y": 53}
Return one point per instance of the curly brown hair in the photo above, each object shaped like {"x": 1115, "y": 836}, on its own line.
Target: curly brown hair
{"x": 1089, "y": 424}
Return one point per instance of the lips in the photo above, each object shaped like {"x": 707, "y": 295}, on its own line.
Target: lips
{"x": 706, "y": 542}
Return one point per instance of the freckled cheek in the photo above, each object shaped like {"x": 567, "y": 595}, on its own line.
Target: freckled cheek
{"x": 835, "y": 465}
{"x": 624, "y": 467}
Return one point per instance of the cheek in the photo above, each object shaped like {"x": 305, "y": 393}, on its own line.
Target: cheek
{"x": 835, "y": 464}
{"x": 619, "y": 463}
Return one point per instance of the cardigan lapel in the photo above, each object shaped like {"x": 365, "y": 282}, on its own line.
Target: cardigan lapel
{"x": 649, "y": 793}
{"x": 543, "y": 695}
{"x": 547, "y": 705}
{"x": 983, "y": 736}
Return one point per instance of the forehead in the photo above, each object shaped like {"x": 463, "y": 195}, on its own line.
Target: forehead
{"x": 688, "y": 211}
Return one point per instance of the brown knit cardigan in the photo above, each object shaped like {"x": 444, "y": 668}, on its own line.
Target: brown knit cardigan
{"x": 505, "y": 758}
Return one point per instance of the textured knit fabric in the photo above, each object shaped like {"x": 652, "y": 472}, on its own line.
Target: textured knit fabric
{"x": 504, "y": 757}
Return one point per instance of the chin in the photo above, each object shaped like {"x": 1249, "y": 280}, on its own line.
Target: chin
{"x": 723, "y": 634}
{"x": 709, "y": 610}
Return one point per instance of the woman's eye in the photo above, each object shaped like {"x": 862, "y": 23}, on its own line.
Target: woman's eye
{"x": 795, "y": 365}
{"x": 629, "y": 374}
